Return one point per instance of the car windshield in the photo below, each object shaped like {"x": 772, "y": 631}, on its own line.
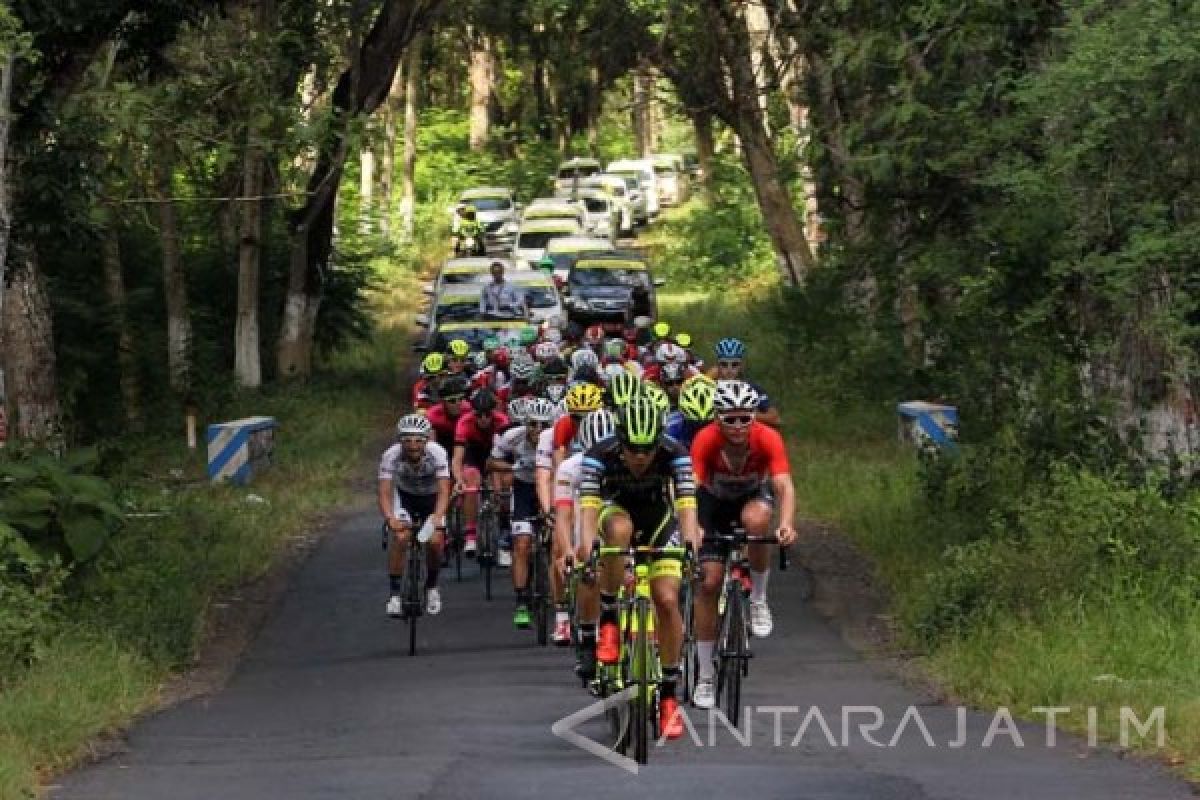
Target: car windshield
{"x": 536, "y": 240}
{"x": 583, "y": 172}
{"x": 607, "y": 276}
{"x": 490, "y": 203}
{"x": 663, "y": 169}
{"x": 458, "y": 311}
{"x": 456, "y": 278}
{"x": 595, "y": 204}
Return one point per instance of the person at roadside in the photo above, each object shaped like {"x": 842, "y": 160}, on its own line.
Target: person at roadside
{"x": 501, "y": 298}
{"x": 414, "y": 491}
{"x": 742, "y": 474}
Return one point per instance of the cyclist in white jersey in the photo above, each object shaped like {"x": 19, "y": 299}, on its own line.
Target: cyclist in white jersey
{"x": 414, "y": 486}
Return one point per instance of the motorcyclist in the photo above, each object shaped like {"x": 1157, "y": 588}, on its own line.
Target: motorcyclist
{"x": 469, "y": 232}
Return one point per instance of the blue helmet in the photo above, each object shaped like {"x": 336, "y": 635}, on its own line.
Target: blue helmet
{"x": 730, "y": 348}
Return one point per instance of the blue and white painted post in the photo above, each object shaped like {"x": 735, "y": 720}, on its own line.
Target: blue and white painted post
{"x": 928, "y": 424}
{"x": 239, "y": 449}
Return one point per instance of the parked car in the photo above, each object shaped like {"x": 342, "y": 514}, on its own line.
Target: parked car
{"x": 601, "y": 217}
{"x": 564, "y": 250}
{"x": 498, "y": 212}
{"x": 643, "y": 170}
{"x": 571, "y": 173}
{"x": 617, "y": 188}
{"x": 672, "y": 178}
{"x": 611, "y": 289}
{"x": 535, "y": 233}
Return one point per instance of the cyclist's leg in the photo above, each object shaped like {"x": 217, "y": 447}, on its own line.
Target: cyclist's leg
{"x": 524, "y": 510}
{"x": 616, "y": 530}
{"x": 470, "y": 503}
{"x": 756, "y": 520}
{"x": 715, "y": 516}
{"x": 420, "y": 507}
{"x": 398, "y": 552}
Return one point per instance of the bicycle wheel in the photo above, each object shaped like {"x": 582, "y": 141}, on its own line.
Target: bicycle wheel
{"x": 617, "y": 715}
{"x": 486, "y": 554}
{"x": 412, "y": 594}
{"x": 540, "y": 581}
{"x": 689, "y": 660}
{"x": 733, "y": 657}
{"x": 454, "y": 536}
{"x": 643, "y": 699}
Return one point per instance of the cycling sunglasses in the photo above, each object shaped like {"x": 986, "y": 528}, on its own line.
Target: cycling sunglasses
{"x": 730, "y": 364}
{"x": 736, "y": 420}
{"x": 641, "y": 449}
{"x": 453, "y": 398}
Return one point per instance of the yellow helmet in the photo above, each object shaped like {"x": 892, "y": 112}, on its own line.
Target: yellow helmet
{"x": 433, "y": 364}
{"x": 584, "y": 397}
{"x": 662, "y": 330}
{"x": 657, "y": 396}
{"x": 458, "y": 348}
{"x": 683, "y": 339}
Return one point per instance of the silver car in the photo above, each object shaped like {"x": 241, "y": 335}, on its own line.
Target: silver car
{"x": 498, "y": 212}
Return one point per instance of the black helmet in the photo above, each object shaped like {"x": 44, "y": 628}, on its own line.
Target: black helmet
{"x": 454, "y": 386}
{"x": 483, "y": 401}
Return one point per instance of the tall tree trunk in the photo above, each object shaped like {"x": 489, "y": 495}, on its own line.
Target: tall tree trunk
{"x": 179, "y": 325}
{"x": 412, "y": 87}
{"x": 541, "y": 101}
{"x": 642, "y": 114}
{"x": 247, "y": 350}
{"x": 114, "y": 286}
{"x": 758, "y": 27}
{"x": 481, "y": 78}
{"x": 792, "y": 251}
{"x": 391, "y": 111}
{"x": 7, "y": 65}
{"x": 366, "y": 182}
{"x": 30, "y": 367}
{"x": 360, "y": 89}
{"x": 592, "y": 109}
{"x": 702, "y": 124}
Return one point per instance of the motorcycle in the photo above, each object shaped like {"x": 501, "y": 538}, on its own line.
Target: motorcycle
{"x": 470, "y": 245}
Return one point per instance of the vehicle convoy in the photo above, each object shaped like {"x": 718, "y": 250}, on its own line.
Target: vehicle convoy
{"x": 563, "y": 251}
{"x": 601, "y": 217}
{"x": 617, "y": 189}
{"x": 672, "y": 178}
{"x": 643, "y": 170}
{"x": 535, "y": 234}
{"x": 570, "y": 174}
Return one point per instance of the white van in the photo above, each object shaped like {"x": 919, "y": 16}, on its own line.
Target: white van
{"x": 648, "y": 181}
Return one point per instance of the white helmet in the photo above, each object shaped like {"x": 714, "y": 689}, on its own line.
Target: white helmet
{"x": 518, "y": 407}
{"x": 735, "y": 396}
{"x": 584, "y": 357}
{"x": 539, "y": 409}
{"x": 414, "y": 425}
{"x": 544, "y": 351}
{"x": 552, "y": 335}
{"x": 613, "y": 370}
{"x": 596, "y": 426}
{"x": 668, "y": 352}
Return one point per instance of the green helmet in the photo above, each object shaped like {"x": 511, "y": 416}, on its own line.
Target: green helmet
{"x": 622, "y": 387}
{"x": 639, "y": 422}
{"x": 529, "y": 336}
{"x": 657, "y": 396}
{"x": 696, "y": 401}
{"x": 546, "y": 262}
{"x": 490, "y": 344}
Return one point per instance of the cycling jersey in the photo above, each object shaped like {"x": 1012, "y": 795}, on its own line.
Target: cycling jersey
{"x": 416, "y": 478}
{"x": 682, "y": 429}
{"x": 476, "y": 441}
{"x": 566, "y": 480}
{"x": 444, "y": 425}
{"x": 544, "y": 457}
{"x": 423, "y": 393}
{"x": 606, "y": 478}
{"x": 565, "y": 429}
{"x": 725, "y": 474}
{"x": 513, "y": 447}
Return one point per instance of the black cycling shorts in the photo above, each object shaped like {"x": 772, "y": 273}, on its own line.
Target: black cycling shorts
{"x": 720, "y": 515}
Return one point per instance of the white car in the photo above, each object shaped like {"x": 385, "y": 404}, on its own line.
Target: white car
{"x": 617, "y": 188}
{"x": 601, "y": 216}
{"x": 497, "y": 210}
{"x": 534, "y": 234}
{"x": 571, "y": 173}
{"x": 556, "y": 208}
{"x": 643, "y": 170}
{"x": 541, "y": 295}
{"x": 672, "y": 179}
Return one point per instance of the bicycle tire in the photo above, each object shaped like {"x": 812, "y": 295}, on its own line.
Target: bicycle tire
{"x": 617, "y": 715}
{"x": 541, "y": 590}
{"x": 733, "y": 658}
{"x": 412, "y": 594}
{"x": 689, "y": 659}
{"x": 485, "y": 555}
{"x": 643, "y": 699}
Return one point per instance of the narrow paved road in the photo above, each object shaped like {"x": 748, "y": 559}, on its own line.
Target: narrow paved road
{"x": 327, "y": 704}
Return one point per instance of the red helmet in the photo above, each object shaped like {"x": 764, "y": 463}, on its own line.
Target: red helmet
{"x": 594, "y": 335}
{"x": 500, "y": 356}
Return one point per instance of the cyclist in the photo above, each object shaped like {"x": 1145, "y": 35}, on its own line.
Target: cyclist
{"x": 625, "y": 497}
{"x": 731, "y": 359}
{"x": 694, "y": 412}
{"x": 582, "y": 399}
{"x": 736, "y": 460}
{"x": 433, "y": 366}
{"x": 512, "y": 462}
{"x": 596, "y": 426}
{"x": 444, "y": 414}
{"x": 621, "y": 387}
{"x": 457, "y": 357}
{"x": 671, "y": 377}
{"x": 474, "y": 435}
{"x": 526, "y": 375}
{"x": 414, "y": 486}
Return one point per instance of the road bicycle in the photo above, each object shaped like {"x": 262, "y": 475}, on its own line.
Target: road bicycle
{"x": 732, "y": 653}
{"x": 412, "y": 592}
{"x": 493, "y": 510}
{"x": 635, "y": 724}
{"x": 456, "y": 536}
{"x": 540, "y": 595}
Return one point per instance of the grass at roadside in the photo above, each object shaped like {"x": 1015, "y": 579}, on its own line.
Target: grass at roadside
{"x": 1118, "y": 651}
{"x": 139, "y": 613}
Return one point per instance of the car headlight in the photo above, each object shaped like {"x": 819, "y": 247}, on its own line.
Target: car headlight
{"x": 511, "y": 227}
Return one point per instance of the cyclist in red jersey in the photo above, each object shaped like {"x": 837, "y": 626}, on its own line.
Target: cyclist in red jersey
{"x": 474, "y": 436}
{"x": 735, "y": 462}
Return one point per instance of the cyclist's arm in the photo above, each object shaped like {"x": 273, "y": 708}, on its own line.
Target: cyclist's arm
{"x": 785, "y": 492}
{"x": 590, "y": 501}
{"x": 456, "y": 463}
{"x": 685, "y": 499}
{"x": 544, "y": 481}
{"x": 442, "y": 504}
{"x": 387, "y": 494}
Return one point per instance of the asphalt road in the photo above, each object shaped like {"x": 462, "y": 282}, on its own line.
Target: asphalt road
{"x": 327, "y": 704}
